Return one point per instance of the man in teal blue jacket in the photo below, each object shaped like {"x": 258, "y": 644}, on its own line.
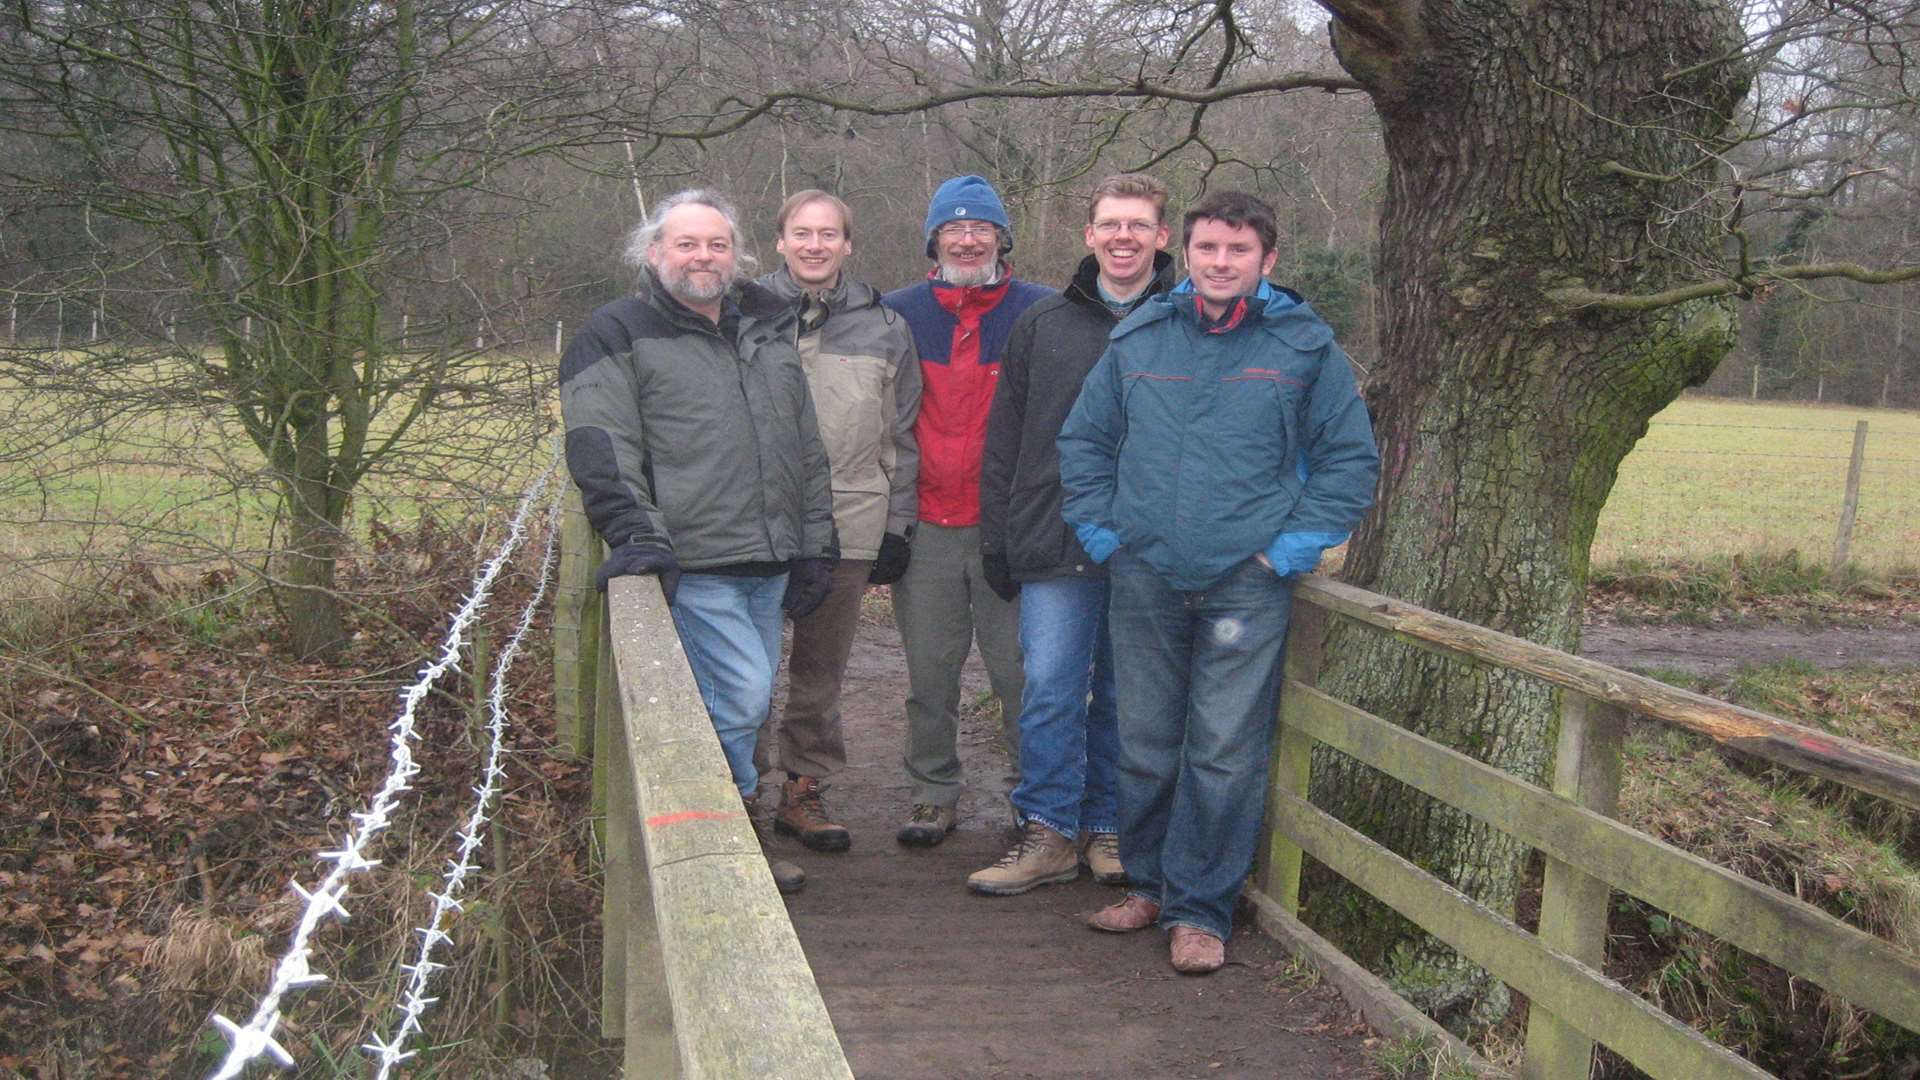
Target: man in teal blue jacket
{"x": 1216, "y": 450}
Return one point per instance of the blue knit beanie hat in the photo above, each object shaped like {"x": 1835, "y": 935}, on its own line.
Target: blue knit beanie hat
{"x": 968, "y": 198}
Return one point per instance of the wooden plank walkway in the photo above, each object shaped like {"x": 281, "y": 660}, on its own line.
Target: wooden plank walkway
{"x": 926, "y": 980}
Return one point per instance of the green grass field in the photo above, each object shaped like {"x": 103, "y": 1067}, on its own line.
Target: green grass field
{"x": 1712, "y": 478}
{"x": 1716, "y": 477}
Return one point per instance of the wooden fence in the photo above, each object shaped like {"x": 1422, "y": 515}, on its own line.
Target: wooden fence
{"x": 702, "y": 974}
{"x": 1573, "y": 1006}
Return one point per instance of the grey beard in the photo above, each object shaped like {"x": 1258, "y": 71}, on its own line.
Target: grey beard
{"x": 685, "y": 291}
{"x": 969, "y": 277}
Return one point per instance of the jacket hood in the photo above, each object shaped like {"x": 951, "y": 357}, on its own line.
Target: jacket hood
{"x": 847, "y": 294}
{"x": 1274, "y": 308}
{"x": 1085, "y": 286}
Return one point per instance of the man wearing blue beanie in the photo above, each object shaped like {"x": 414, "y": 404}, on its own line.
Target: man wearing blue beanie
{"x": 960, "y": 317}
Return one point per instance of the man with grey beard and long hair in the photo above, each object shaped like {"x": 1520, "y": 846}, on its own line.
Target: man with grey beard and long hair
{"x": 692, "y": 438}
{"x": 960, "y": 317}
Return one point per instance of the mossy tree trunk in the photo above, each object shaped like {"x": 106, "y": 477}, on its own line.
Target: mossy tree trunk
{"x": 1502, "y": 412}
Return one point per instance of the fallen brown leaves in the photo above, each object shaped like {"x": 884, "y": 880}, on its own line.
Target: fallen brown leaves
{"x": 161, "y": 790}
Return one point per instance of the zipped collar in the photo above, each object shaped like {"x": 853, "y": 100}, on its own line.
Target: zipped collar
{"x": 969, "y": 302}
{"x": 1085, "y": 286}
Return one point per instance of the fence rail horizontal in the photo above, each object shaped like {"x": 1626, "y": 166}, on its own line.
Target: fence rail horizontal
{"x": 1830, "y": 757}
{"x": 1867, "y": 971}
{"x": 1597, "y": 1006}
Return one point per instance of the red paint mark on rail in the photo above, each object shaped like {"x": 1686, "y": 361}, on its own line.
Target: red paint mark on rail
{"x": 685, "y": 816}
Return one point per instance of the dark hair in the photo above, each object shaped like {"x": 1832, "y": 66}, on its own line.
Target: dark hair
{"x": 1235, "y": 208}
{"x": 1129, "y": 186}
{"x": 800, "y": 199}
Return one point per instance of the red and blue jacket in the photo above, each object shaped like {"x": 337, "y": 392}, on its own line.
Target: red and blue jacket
{"x": 961, "y": 334}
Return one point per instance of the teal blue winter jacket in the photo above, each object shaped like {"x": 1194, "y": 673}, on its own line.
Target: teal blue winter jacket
{"x": 1197, "y": 449}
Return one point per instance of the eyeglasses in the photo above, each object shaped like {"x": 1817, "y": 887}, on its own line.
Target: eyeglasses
{"x": 1137, "y": 228}
{"x": 957, "y": 230}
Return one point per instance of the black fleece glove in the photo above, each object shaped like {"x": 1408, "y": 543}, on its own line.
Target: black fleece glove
{"x": 636, "y": 558}
{"x": 891, "y": 564}
{"x": 808, "y": 583}
{"x": 999, "y": 578}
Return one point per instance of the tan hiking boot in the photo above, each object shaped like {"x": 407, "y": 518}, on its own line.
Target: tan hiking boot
{"x": 787, "y": 877}
{"x": 927, "y": 825}
{"x": 1042, "y": 857}
{"x": 803, "y": 813}
{"x": 1102, "y": 852}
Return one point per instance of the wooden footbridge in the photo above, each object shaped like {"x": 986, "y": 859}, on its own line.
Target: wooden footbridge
{"x": 706, "y": 976}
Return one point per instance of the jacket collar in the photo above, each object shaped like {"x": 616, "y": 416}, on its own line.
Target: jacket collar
{"x": 1085, "y": 286}
{"x": 1274, "y": 308}
{"x": 970, "y": 302}
{"x": 847, "y": 294}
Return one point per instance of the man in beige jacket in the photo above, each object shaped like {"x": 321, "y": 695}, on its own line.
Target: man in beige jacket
{"x": 865, "y": 378}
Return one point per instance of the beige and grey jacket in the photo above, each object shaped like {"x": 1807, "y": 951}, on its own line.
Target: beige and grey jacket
{"x": 865, "y": 378}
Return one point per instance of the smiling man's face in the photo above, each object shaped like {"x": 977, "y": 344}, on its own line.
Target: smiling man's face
{"x": 816, "y": 245}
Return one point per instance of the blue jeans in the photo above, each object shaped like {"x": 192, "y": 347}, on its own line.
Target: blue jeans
{"x": 1199, "y": 677}
{"x": 730, "y": 628}
{"x": 1068, "y": 747}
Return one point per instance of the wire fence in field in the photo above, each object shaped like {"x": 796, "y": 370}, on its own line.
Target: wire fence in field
{"x": 1721, "y": 478}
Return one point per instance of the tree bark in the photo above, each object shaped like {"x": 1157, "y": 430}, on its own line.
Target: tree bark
{"x": 313, "y": 512}
{"x": 1502, "y": 414}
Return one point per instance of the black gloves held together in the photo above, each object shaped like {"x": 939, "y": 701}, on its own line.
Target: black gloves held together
{"x": 637, "y": 558}
{"x": 999, "y": 578}
{"x": 891, "y": 564}
{"x": 808, "y": 583}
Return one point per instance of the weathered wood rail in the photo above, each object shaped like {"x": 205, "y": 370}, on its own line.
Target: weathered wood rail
{"x": 1573, "y": 1006}
{"x": 702, "y": 974}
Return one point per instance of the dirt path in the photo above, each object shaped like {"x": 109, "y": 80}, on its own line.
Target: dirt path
{"x": 925, "y": 980}
{"x": 1715, "y": 650}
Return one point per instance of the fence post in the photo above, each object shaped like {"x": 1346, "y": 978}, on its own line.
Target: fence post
{"x": 1293, "y": 753}
{"x": 404, "y": 319}
{"x": 246, "y": 328}
{"x": 1756, "y": 383}
{"x": 13, "y": 319}
{"x": 576, "y": 631}
{"x": 1851, "y": 505}
{"x": 1573, "y": 904}
{"x": 480, "y": 334}
{"x": 59, "y": 322}
{"x": 557, "y": 324}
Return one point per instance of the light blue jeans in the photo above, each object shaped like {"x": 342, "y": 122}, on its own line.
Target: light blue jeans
{"x": 1069, "y": 739}
{"x": 1199, "y": 677}
{"x": 730, "y": 628}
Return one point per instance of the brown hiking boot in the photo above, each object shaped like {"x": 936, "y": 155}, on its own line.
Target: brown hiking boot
{"x": 927, "y": 825}
{"x": 803, "y": 813}
{"x": 1130, "y": 914}
{"x": 1102, "y": 852}
{"x": 787, "y": 877}
{"x": 1042, "y": 857}
{"x": 1195, "y": 952}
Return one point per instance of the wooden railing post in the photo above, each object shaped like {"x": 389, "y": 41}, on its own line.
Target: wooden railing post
{"x": 1573, "y": 904}
{"x": 1293, "y": 754}
{"x": 576, "y": 630}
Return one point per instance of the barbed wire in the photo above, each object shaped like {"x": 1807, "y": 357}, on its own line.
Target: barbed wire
{"x": 414, "y": 1001}
{"x": 294, "y": 972}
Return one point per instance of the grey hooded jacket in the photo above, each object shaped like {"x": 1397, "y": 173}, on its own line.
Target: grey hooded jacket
{"x": 865, "y": 378}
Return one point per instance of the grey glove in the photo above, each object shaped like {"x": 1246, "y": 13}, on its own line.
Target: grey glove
{"x": 637, "y": 558}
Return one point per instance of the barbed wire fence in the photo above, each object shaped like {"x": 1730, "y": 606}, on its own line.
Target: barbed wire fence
{"x": 255, "y": 1038}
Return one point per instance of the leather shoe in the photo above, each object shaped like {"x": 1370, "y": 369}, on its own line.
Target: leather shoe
{"x": 1130, "y": 914}
{"x": 1195, "y": 952}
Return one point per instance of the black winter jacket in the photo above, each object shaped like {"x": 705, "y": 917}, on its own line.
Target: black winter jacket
{"x": 1052, "y": 347}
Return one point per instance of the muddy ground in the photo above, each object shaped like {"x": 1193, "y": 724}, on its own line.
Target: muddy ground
{"x": 1711, "y": 650}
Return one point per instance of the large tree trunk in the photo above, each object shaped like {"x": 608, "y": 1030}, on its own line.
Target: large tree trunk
{"x": 1503, "y": 413}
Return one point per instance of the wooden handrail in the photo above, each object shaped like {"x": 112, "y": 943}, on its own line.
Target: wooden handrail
{"x": 1573, "y": 1004}
{"x": 706, "y": 977}
{"x": 1831, "y": 757}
